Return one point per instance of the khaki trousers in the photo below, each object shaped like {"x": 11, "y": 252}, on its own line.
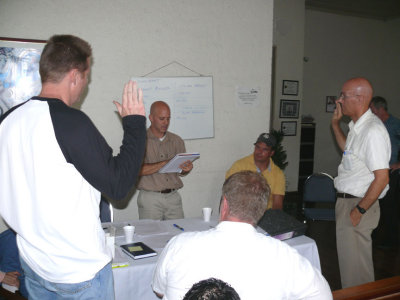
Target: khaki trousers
{"x": 354, "y": 244}
{"x": 158, "y": 206}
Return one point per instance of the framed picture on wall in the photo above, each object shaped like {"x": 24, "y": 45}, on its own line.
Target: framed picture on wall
{"x": 289, "y": 128}
{"x": 289, "y": 109}
{"x": 290, "y": 87}
{"x": 19, "y": 70}
{"x": 330, "y": 103}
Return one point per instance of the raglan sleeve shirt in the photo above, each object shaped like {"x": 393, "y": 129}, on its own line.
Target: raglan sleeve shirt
{"x": 85, "y": 148}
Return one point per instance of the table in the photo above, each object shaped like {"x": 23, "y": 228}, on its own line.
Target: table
{"x": 134, "y": 281}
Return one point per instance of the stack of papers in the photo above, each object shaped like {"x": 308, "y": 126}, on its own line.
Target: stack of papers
{"x": 173, "y": 165}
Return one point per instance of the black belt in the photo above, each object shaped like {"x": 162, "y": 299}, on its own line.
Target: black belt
{"x": 167, "y": 191}
{"x": 345, "y": 195}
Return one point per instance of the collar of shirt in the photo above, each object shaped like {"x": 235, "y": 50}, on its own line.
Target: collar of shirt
{"x": 235, "y": 227}
{"x": 355, "y": 126}
{"x": 268, "y": 168}
{"x": 150, "y": 135}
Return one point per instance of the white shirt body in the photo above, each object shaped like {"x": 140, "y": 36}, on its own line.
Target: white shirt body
{"x": 256, "y": 266}
{"x": 367, "y": 149}
{"x": 57, "y": 218}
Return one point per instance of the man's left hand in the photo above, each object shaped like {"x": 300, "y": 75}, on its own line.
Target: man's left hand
{"x": 355, "y": 216}
{"x": 186, "y": 167}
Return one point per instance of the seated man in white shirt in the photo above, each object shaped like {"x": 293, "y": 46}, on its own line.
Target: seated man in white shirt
{"x": 255, "y": 265}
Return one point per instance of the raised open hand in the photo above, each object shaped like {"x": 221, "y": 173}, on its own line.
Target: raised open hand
{"x": 132, "y": 101}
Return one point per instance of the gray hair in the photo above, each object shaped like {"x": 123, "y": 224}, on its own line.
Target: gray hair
{"x": 247, "y": 194}
{"x": 379, "y": 102}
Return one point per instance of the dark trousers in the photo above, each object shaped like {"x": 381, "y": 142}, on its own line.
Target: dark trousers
{"x": 389, "y": 223}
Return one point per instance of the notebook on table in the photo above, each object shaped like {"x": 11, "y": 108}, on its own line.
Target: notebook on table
{"x": 138, "y": 250}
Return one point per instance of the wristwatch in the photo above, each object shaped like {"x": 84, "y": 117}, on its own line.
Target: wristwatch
{"x": 360, "y": 209}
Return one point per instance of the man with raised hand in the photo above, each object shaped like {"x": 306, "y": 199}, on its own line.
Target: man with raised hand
{"x": 362, "y": 179}
{"x": 54, "y": 164}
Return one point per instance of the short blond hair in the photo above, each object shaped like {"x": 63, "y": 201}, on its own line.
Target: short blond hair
{"x": 247, "y": 194}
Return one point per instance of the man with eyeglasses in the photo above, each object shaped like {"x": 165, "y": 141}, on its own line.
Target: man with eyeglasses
{"x": 362, "y": 179}
{"x": 261, "y": 162}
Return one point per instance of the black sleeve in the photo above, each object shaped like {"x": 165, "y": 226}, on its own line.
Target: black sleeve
{"x": 85, "y": 148}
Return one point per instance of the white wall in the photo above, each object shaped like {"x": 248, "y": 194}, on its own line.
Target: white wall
{"x": 230, "y": 40}
{"x": 339, "y": 48}
{"x": 289, "y": 43}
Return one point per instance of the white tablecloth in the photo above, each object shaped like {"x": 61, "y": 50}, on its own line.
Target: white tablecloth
{"x": 134, "y": 281}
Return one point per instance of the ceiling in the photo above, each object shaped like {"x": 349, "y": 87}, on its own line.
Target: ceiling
{"x": 373, "y": 9}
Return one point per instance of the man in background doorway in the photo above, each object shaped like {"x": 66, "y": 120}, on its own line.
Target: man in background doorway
{"x": 158, "y": 197}
{"x": 389, "y": 221}
{"x": 362, "y": 179}
{"x": 261, "y": 162}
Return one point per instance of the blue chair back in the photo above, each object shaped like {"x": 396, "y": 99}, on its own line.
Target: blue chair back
{"x": 319, "y": 188}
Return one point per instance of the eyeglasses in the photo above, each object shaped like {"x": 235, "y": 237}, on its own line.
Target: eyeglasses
{"x": 344, "y": 97}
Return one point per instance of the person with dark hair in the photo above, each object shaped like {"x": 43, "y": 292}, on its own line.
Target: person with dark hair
{"x": 211, "y": 289}
{"x": 261, "y": 162}
{"x": 258, "y": 266}
{"x": 389, "y": 221}
{"x": 362, "y": 179}
{"x": 54, "y": 165}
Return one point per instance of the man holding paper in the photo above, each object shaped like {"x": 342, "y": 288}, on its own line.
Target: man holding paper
{"x": 159, "y": 198}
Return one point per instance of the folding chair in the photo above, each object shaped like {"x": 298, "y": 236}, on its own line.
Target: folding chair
{"x": 319, "y": 197}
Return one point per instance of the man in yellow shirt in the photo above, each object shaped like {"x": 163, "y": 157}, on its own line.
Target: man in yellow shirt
{"x": 260, "y": 161}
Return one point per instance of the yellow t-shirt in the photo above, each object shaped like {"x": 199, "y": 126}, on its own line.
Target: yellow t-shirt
{"x": 273, "y": 174}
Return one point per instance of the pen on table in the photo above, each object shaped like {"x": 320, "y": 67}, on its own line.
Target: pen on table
{"x": 179, "y": 227}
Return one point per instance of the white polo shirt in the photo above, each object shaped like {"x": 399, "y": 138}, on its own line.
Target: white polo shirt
{"x": 256, "y": 266}
{"x": 367, "y": 149}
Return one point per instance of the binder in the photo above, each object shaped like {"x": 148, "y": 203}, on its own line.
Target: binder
{"x": 138, "y": 250}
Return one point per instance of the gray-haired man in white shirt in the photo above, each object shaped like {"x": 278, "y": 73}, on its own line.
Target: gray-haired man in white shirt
{"x": 255, "y": 265}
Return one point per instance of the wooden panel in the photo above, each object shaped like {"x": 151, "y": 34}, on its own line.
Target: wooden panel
{"x": 388, "y": 288}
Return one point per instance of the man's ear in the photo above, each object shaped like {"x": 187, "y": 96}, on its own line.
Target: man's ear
{"x": 73, "y": 76}
{"x": 224, "y": 208}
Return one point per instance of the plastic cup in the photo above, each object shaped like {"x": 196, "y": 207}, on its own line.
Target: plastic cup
{"x": 129, "y": 230}
{"x": 207, "y": 214}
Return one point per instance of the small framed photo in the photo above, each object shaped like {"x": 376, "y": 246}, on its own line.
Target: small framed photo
{"x": 289, "y": 128}
{"x": 330, "y": 103}
{"x": 289, "y": 109}
{"x": 290, "y": 87}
